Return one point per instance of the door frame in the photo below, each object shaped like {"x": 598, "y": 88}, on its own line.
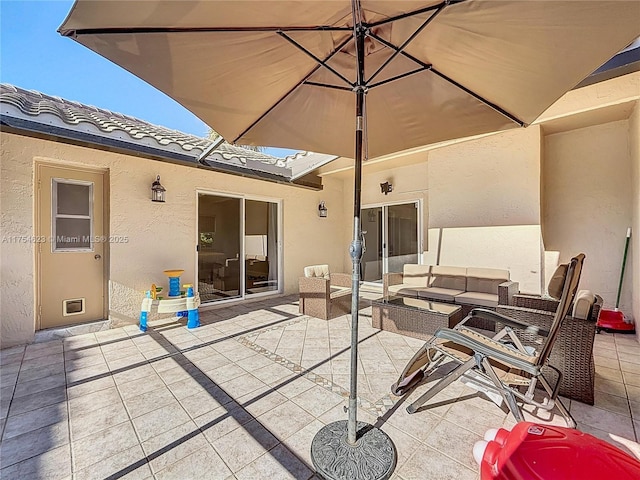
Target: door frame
{"x": 243, "y": 197}
{"x": 39, "y": 234}
{"x": 385, "y": 231}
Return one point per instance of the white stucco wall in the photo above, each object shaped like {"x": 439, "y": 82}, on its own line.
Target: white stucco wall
{"x": 587, "y": 198}
{"x": 161, "y": 236}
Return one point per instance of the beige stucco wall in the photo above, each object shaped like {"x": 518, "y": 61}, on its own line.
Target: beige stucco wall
{"x": 160, "y": 236}
{"x": 480, "y": 199}
{"x": 587, "y": 198}
{"x": 484, "y": 205}
{"x": 633, "y": 267}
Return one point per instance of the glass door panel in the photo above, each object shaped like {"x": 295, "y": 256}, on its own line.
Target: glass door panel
{"x": 219, "y": 244}
{"x": 261, "y": 246}
{"x": 371, "y": 266}
{"x": 402, "y": 236}
{"x": 391, "y": 239}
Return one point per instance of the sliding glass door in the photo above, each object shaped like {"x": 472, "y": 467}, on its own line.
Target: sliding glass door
{"x": 391, "y": 234}
{"x": 238, "y": 247}
{"x": 261, "y": 247}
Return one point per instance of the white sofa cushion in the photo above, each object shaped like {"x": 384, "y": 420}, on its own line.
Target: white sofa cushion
{"x": 413, "y": 274}
{"x": 582, "y": 304}
{"x": 485, "y": 280}
{"x": 478, "y": 298}
{"x": 454, "y": 278}
{"x": 317, "y": 271}
{"x": 405, "y": 290}
{"x": 438, "y": 293}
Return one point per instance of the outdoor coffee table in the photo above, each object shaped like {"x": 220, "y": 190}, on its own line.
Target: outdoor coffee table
{"x": 414, "y": 317}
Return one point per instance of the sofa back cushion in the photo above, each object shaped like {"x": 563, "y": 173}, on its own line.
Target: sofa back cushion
{"x": 556, "y": 284}
{"x": 317, "y": 271}
{"x": 417, "y": 275}
{"x": 485, "y": 280}
{"x": 454, "y": 278}
{"x": 582, "y": 304}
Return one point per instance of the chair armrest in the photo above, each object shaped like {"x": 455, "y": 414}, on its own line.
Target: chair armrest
{"x": 516, "y": 323}
{"x": 597, "y": 306}
{"x": 535, "y": 302}
{"x": 341, "y": 280}
{"x": 389, "y": 279}
{"x": 506, "y": 291}
{"x": 486, "y": 348}
{"x": 314, "y": 285}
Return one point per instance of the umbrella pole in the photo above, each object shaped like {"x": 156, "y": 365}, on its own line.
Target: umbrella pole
{"x": 351, "y": 449}
{"x": 355, "y": 251}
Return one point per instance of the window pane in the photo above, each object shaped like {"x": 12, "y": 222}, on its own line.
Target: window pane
{"x": 261, "y": 246}
{"x": 402, "y": 235}
{"x": 73, "y": 199}
{"x": 218, "y": 247}
{"x": 72, "y": 233}
{"x": 371, "y": 265}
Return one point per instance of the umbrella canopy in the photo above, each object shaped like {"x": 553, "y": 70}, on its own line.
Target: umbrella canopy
{"x": 255, "y": 70}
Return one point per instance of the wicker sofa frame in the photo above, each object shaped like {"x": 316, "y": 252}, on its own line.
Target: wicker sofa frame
{"x": 318, "y": 299}
{"x": 572, "y": 352}
{"x": 506, "y": 292}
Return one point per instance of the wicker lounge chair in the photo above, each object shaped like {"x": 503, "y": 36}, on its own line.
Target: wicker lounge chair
{"x": 572, "y": 353}
{"x": 323, "y": 294}
{"x": 500, "y": 364}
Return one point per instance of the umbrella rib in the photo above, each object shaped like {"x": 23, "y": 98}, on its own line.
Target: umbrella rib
{"x": 398, "y": 77}
{"x": 320, "y": 62}
{"x": 326, "y": 85}
{"x": 414, "y": 13}
{"x": 281, "y": 99}
{"x": 402, "y": 52}
{"x": 135, "y": 30}
{"x": 401, "y": 48}
{"x": 495, "y": 107}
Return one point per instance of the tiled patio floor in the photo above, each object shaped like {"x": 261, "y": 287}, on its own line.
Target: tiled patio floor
{"x": 243, "y": 396}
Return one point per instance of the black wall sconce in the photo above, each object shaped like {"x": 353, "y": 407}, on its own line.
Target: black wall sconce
{"x": 322, "y": 210}
{"x": 386, "y": 188}
{"x": 157, "y": 191}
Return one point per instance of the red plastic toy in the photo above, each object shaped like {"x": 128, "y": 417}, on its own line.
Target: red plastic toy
{"x": 546, "y": 452}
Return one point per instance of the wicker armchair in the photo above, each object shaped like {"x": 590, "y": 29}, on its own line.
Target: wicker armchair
{"x": 572, "y": 352}
{"x": 323, "y": 294}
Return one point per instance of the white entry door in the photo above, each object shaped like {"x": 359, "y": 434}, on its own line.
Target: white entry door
{"x": 71, "y": 247}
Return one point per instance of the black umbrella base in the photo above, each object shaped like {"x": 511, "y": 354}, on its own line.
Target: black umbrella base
{"x": 373, "y": 457}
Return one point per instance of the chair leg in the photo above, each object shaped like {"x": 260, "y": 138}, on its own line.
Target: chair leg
{"x": 442, "y": 384}
{"x": 508, "y": 396}
{"x": 571, "y": 423}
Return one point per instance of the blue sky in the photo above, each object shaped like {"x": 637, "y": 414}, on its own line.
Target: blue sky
{"x": 34, "y": 56}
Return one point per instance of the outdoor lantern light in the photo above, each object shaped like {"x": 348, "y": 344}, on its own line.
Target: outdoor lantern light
{"x": 322, "y": 209}
{"x": 386, "y": 188}
{"x": 157, "y": 191}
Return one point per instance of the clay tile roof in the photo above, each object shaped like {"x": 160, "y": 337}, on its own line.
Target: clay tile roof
{"x": 28, "y": 110}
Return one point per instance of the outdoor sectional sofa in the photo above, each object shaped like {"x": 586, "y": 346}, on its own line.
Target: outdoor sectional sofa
{"x": 468, "y": 287}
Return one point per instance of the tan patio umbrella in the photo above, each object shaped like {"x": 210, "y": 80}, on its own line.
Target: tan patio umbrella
{"x": 290, "y": 74}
